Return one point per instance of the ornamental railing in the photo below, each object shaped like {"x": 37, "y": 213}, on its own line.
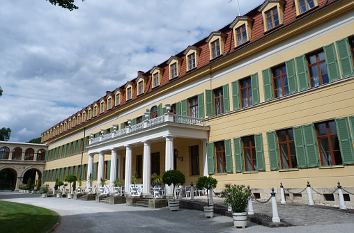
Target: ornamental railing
{"x": 149, "y": 123}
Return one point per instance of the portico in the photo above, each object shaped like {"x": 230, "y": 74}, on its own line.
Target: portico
{"x": 142, "y": 141}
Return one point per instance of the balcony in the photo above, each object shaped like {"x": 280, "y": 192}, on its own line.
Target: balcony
{"x": 167, "y": 118}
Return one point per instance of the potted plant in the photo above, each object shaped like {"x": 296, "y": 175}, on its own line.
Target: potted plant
{"x": 209, "y": 183}
{"x": 43, "y": 190}
{"x": 70, "y": 179}
{"x": 173, "y": 177}
{"x": 156, "y": 180}
{"x": 237, "y": 197}
{"x": 58, "y": 184}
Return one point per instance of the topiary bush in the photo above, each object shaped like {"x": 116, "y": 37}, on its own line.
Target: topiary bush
{"x": 207, "y": 182}
{"x": 174, "y": 177}
{"x": 237, "y": 197}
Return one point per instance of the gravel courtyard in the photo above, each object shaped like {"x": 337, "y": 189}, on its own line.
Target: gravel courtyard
{"x": 86, "y": 217}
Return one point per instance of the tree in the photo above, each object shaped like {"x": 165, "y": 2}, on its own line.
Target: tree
{"x": 5, "y": 134}
{"x": 35, "y": 140}
{"x": 67, "y": 4}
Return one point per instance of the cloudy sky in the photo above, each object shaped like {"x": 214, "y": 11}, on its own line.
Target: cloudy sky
{"x": 53, "y": 61}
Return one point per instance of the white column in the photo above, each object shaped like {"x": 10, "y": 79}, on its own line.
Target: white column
{"x": 146, "y": 169}
{"x": 113, "y": 174}
{"x": 275, "y": 214}
{"x": 128, "y": 169}
{"x": 10, "y": 155}
{"x": 100, "y": 171}
{"x": 282, "y": 195}
{"x": 205, "y": 153}
{"x": 89, "y": 170}
{"x": 35, "y": 157}
{"x": 342, "y": 205}
{"x": 169, "y": 162}
{"x": 309, "y": 194}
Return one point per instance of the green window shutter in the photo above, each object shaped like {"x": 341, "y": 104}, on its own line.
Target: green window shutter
{"x": 255, "y": 89}
{"x": 159, "y": 110}
{"x": 184, "y": 107}
{"x": 46, "y": 155}
{"x": 228, "y": 156}
{"x": 273, "y": 151}
{"x": 122, "y": 125}
{"x": 238, "y": 154}
{"x": 300, "y": 150}
{"x": 302, "y": 72}
{"x": 351, "y": 125}
{"x": 331, "y": 60}
{"x": 108, "y": 169}
{"x": 291, "y": 74}
{"x": 259, "y": 152}
{"x": 68, "y": 150}
{"x": 201, "y": 113}
{"x": 345, "y": 57}
{"x": 236, "y": 95}
{"x": 345, "y": 141}
{"x": 164, "y": 110}
{"x": 74, "y": 147}
{"x": 209, "y": 103}
{"x": 178, "y": 109}
{"x": 226, "y": 98}
{"x": 94, "y": 171}
{"x": 72, "y": 171}
{"x": 79, "y": 146}
{"x": 133, "y": 121}
{"x": 268, "y": 84}
{"x": 311, "y": 145}
{"x": 211, "y": 163}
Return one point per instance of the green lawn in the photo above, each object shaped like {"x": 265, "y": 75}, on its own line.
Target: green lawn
{"x": 18, "y": 218}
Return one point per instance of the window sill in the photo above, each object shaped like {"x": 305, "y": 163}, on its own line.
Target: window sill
{"x": 332, "y": 167}
{"x": 306, "y": 12}
{"x": 250, "y": 172}
{"x": 220, "y": 174}
{"x": 289, "y": 170}
{"x": 272, "y": 29}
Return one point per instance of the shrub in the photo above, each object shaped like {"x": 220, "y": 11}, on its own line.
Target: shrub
{"x": 237, "y": 197}
{"x": 58, "y": 183}
{"x": 70, "y": 179}
{"x": 208, "y": 183}
{"x": 174, "y": 177}
{"x": 43, "y": 189}
{"x": 117, "y": 183}
{"x": 156, "y": 179}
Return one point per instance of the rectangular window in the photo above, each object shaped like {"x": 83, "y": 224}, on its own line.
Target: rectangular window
{"x": 215, "y": 48}
{"x": 305, "y": 5}
{"x": 155, "y": 163}
{"x": 139, "y": 166}
{"x": 317, "y": 68}
{"x": 220, "y": 157}
{"x": 109, "y": 103}
{"x": 249, "y": 153}
{"x": 129, "y": 93}
{"x": 193, "y": 107}
{"x": 272, "y": 18}
{"x": 218, "y": 101}
{"x": 246, "y": 92}
{"x": 328, "y": 143}
{"x": 102, "y": 107}
{"x": 155, "y": 80}
{"x": 241, "y": 35}
{"x": 351, "y": 43}
{"x": 140, "y": 87}
{"x": 286, "y": 149}
{"x": 194, "y": 152}
{"x": 117, "y": 100}
{"x": 173, "y": 70}
{"x": 191, "y": 61}
{"x": 280, "y": 81}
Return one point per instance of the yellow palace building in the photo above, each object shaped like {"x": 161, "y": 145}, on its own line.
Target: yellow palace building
{"x": 267, "y": 99}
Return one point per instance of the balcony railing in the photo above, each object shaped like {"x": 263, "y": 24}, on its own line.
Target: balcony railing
{"x": 168, "y": 117}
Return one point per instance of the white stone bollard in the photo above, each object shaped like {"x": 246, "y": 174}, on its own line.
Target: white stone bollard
{"x": 275, "y": 217}
{"x": 309, "y": 194}
{"x": 250, "y": 210}
{"x": 210, "y": 193}
{"x": 282, "y": 195}
{"x": 342, "y": 205}
{"x": 192, "y": 192}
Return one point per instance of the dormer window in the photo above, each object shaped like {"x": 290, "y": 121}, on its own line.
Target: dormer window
{"x": 173, "y": 70}
{"x": 155, "y": 80}
{"x": 89, "y": 113}
{"x": 191, "y": 61}
{"x": 272, "y": 18}
{"x": 241, "y": 35}
{"x": 173, "y": 64}
{"x": 102, "y": 107}
{"x": 140, "y": 86}
{"x": 95, "y": 110}
{"x": 215, "y": 48}
{"x": 117, "y": 99}
{"x": 83, "y": 116}
{"x": 272, "y": 11}
{"x": 303, "y": 6}
{"x": 129, "y": 93}
{"x": 109, "y": 102}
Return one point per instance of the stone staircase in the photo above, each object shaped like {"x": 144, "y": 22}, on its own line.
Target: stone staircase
{"x": 142, "y": 202}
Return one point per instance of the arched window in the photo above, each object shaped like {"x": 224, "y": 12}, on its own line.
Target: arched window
{"x": 4, "y": 152}
{"x": 41, "y": 155}
{"x": 153, "y": 112}
{"x": 17, "y": 153}
{"x": 29, "y": 154}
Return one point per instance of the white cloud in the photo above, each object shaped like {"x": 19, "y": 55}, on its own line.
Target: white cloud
{"x": 54, "y": 62}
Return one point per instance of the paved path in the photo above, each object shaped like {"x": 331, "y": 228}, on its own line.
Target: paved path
{"x": 86, "y": 217}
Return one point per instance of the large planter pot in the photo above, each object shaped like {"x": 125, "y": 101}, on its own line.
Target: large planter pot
{"x": 173, "y": 205}
{"x": 44, "y": 195}
{"x": 240, "y": 219}
{"x": 58, "y": 195}
{"x": 209, "y": 211}
{"x": 70, "y": 196}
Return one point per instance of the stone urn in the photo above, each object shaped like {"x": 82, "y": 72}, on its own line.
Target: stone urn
{"x": 173, "y": 204}
{"x": 209, "y": 211}
{"x": 240, "y": 219}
